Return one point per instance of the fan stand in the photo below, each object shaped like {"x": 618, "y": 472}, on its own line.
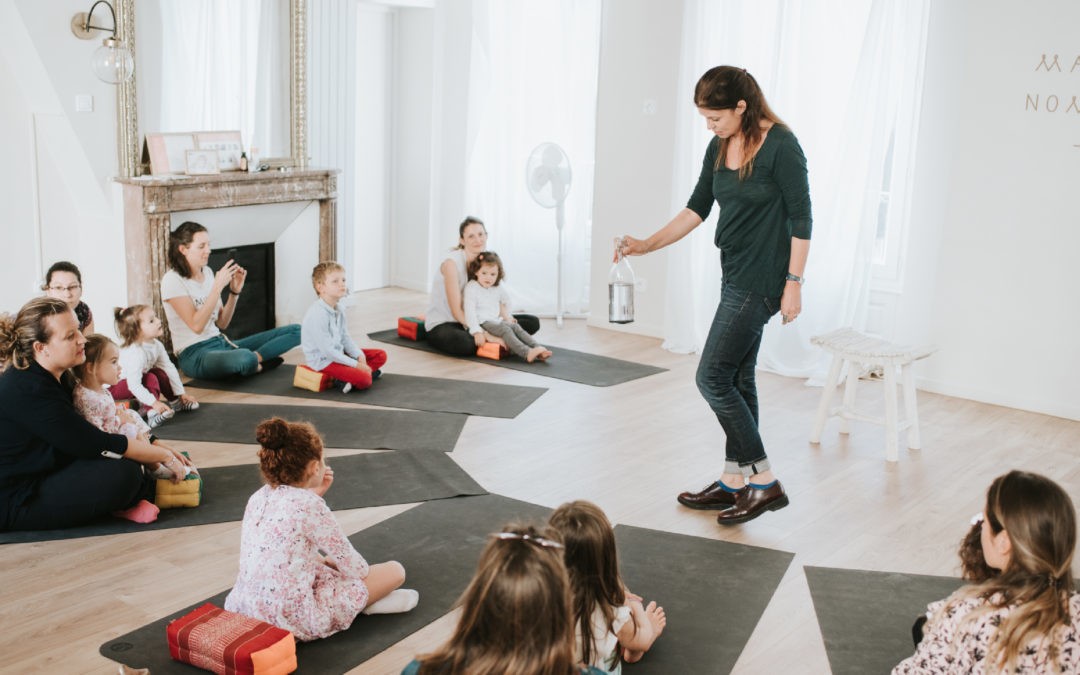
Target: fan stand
{"x": 560, "y": 220}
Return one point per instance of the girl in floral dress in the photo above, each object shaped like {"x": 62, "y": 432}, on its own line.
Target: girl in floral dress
{"x": 298, "y": 570}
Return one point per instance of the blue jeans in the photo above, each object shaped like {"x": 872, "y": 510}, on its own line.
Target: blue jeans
{"x": 725, "y": 375}
{"x": 214, "y": 358}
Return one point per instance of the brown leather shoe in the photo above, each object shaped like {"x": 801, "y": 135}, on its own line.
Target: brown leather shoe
{"x": 712, "y": 497}
{"x": 752, "y": 502}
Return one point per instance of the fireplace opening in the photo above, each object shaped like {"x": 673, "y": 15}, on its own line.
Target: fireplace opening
{"x": 255, "y": 306}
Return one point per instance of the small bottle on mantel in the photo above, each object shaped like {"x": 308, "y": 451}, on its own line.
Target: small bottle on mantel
{"x": 253, "y": 160}
{"x": 243, "y": 161}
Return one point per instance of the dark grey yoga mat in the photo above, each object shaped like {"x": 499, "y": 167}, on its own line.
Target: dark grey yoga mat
{"x": 397, "y": 391}
{"x": 371, "y": 479}
{"x": 866, "y": 617}
{"x": 713, "y": 594}
{"x": 438, "y": 545}
{"x": 566, "y": 364}
{"x": 357, "y": 428}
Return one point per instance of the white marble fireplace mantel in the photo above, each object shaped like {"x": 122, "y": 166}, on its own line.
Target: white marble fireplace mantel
{"x": 150, "y": 201}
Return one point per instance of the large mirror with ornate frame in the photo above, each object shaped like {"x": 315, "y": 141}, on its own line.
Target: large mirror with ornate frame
{"x": 133, "y": 123}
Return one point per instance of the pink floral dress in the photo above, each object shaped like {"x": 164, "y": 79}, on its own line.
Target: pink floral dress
{"x": 283, "y": 579}
{"x": 952, "y": 643}
{"x": 99, "y": 408}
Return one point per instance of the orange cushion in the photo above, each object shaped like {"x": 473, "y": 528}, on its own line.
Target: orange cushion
{"x": 492, "y": 350}
{"x": 226, "y": 643}
{"x": 312, "y": 380}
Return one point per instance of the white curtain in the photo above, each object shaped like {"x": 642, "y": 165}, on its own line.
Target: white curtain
{"x": 532, "y": 79}
{"x": 842, "y": 74}
{"x": 224, "y": 67}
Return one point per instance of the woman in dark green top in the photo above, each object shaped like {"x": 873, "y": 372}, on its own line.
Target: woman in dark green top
{"x": 756, "y": 172}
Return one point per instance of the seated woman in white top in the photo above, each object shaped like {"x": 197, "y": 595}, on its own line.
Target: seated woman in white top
{"x": 191, "y": 292}
{"x": 1025, "y": 617}
{"x": 445, "y": 321}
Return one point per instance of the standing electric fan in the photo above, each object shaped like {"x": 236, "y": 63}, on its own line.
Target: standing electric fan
{"x": 547, "y": 177}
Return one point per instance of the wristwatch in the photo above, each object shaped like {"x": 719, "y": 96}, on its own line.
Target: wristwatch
{"x": 794, "y": 277}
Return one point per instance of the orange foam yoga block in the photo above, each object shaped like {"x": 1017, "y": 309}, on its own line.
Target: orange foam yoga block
{"x": 492, "y": 350}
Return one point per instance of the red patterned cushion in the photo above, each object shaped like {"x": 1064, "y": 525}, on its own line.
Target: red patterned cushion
{"x": 226, "y": 643}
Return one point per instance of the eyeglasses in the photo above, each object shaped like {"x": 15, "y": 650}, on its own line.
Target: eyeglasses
{"x": 70, "y": 289}
{"x": 540, "y": 541}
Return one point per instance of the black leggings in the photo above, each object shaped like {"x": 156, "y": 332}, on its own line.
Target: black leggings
{"x": 453, "y": 338}
{"x": 82, "y": 491}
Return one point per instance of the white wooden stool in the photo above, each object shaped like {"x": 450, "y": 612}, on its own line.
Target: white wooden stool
{"x": 857, "y": 349}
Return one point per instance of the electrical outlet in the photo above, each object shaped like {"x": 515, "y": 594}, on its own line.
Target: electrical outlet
{"x": 648, "y": 106}
{"x": 641, "y": 285}
{"x": 84, "y": 103}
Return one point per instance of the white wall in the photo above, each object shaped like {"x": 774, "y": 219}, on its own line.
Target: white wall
{"x": 55, "y": 185}
{"x": 639, "y": 60}
{"x": 994, "y": 231}
{"x": 995, "y": 228}
{"x": 411, "y": 159}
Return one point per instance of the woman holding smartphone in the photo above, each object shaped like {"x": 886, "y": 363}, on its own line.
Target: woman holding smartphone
{"x": 191, "y": 292}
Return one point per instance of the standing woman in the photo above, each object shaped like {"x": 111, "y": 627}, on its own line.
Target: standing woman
{"x": 445, "y": 318}
{"x": 191, "y": 292}
{"x": 756, "y": 172}
{"x": 57, "y": 469}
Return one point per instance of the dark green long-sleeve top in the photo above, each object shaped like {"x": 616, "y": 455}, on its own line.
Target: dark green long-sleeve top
{"x": 760, "y": 215}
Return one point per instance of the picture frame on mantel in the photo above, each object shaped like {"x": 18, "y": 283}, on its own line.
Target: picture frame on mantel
{"x": 166, "y": 153}
{"x": 228, "y": 144}
{"x": 202, "y": 163}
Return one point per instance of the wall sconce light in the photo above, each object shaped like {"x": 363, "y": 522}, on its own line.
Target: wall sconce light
{"x": 112, "y": 62}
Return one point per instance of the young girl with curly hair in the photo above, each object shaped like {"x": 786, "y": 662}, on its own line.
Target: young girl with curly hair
{"x": 298, "y": 570}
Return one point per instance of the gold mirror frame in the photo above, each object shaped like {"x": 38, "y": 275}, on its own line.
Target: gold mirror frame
{"x": 129, "y": 147}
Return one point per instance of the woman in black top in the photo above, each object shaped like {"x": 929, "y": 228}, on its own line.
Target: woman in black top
{"x": 756, "y": 172}
{"x": 57, "y": 469}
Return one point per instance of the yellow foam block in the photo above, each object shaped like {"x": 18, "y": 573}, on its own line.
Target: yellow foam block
{"x": 185, "y": 494}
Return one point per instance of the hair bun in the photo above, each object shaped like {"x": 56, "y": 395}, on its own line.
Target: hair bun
{"x": 273, "y": 433}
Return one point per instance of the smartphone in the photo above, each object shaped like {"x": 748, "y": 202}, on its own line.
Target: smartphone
{"x": 231, "y": 254}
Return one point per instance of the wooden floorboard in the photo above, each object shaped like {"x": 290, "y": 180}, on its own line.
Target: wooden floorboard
{"x": 630, "y": 448}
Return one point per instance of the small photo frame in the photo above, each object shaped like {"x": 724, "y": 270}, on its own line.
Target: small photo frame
{"x": 202, "y": 162}
{"x": 228, "y": 144}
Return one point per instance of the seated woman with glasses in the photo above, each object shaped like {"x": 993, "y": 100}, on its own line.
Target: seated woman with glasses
{"x": 1022, "y": 614}
{"x": 516, "y": 612}
{"x": 63, "y": 281}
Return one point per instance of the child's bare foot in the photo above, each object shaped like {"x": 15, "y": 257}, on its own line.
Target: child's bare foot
{"x": 655, "y": 614}
{"x": 535, "y": 353}
{"x": 544, "y": 355}
{"x": 631, "y": 655}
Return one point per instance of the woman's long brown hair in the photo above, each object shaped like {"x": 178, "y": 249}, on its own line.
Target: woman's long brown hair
{"x": 515, "y": 615}
{"x": 721, "y": 88}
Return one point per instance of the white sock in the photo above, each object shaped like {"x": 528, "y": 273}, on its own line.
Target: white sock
{"x": 401, "y": 600}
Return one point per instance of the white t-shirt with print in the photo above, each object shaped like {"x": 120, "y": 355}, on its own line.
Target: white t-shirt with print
{"x": 175, "y": 286}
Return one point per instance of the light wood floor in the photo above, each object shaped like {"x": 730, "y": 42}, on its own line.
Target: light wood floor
{"x": 630, "y": 448}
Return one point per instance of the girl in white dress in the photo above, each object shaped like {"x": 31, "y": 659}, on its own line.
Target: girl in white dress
{"x": 612, "y": 624}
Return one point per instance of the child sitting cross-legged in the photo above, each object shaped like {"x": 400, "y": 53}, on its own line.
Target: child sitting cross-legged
{"x": 324, "y": 334}
{"x": 298, "y": 570}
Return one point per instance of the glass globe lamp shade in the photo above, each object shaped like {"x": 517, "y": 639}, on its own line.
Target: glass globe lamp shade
{"x": 112, "y": 62}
